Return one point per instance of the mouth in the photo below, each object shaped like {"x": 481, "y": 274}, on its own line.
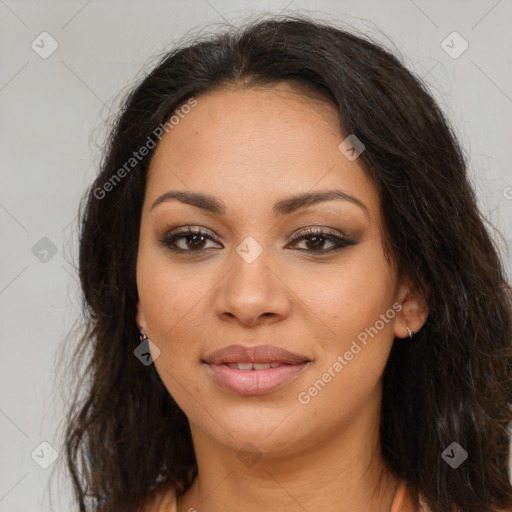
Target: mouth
{"x": 254, "y": 366}
{"x": 254, "y": 370}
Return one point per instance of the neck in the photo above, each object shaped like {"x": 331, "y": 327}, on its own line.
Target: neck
{"x": 344, "y": 472}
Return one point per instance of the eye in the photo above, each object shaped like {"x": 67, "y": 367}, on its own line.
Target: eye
{"x": 315, "y": 238}
{"x": 191, "y": 240}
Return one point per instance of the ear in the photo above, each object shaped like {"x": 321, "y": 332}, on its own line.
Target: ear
{"x": 140, "y": 318}
{"x": 414, "y": 310}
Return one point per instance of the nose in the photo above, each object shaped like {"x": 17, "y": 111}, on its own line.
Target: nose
{"x": 253, "y": 292}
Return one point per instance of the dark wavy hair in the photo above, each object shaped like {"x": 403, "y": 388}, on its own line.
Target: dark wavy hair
{"x": 453, "y": 383}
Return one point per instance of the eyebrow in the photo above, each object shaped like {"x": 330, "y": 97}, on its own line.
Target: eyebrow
{"x": 281, "y": 207}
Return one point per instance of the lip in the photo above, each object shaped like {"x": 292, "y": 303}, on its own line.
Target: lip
{"x": 254, "y": 354}
{"x": 254, "y": 382}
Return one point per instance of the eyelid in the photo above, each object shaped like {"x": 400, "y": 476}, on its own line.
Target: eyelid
{"x": 168, "y": 231}
{"x": 188, "y": 228}
{"x": 335, "y": 236}
{"x": 184, "y": 231}
{"x": 320, "y": 230}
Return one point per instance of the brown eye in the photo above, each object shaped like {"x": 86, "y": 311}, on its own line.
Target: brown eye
{"x": 188, "y": 240}
{"x": 316, "y": 238}
{"x": 193, "y": 240}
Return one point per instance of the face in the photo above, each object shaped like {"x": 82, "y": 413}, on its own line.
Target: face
{"x": 252, "y": 268}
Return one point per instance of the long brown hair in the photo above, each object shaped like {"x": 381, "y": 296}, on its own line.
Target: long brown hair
{"x": 452, "y": 383}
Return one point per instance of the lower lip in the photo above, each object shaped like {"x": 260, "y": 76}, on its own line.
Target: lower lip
{"x": 255, "y": 382}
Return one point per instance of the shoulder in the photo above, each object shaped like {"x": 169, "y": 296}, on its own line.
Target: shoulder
{"x": 161, "y": 499}
{"x": 403, "y": 501}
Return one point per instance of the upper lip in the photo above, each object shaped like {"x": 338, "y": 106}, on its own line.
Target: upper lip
{"x": 254, "y": 354}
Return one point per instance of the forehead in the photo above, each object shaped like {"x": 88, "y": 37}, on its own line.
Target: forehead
{"x": 257, "y": 143}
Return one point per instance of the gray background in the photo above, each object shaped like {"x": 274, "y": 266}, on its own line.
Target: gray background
{"x": 53, "y": 112}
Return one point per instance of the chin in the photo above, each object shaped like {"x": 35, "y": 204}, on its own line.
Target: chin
{"x": 273, "y": 434}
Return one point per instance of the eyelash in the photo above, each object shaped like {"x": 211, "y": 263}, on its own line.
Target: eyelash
{"x": 339, "y": 241}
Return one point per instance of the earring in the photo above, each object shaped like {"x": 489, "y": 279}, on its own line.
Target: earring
{"x": 142, "y": 335}
{"x": 409, "y": 331}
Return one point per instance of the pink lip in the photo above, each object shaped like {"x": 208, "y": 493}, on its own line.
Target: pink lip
{"x": 254, "y": 382}
{"x": 256, "y": 354}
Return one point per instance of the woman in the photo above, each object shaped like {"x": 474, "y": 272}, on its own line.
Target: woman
{"x": 293, "y": 302}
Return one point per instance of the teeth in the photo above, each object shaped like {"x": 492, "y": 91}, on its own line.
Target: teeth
{"x": 261, "y": 366}
{"x": 244, "y": 366}
{"x": 253, "y": 366}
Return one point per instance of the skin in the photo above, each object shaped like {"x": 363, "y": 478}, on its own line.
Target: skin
{"x": 250, "y": 148}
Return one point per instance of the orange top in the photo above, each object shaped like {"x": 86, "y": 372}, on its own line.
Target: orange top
{"x": 402, "y": 501}
{"x": 166, "y": 501}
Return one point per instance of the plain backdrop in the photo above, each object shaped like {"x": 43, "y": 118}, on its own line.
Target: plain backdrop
{"x": 53, "y": 112}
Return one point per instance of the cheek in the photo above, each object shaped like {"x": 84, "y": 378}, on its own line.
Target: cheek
{"x": 346, "y": 300}
{"x": 168, "y": 301}
{"x": 168, "y": 295}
